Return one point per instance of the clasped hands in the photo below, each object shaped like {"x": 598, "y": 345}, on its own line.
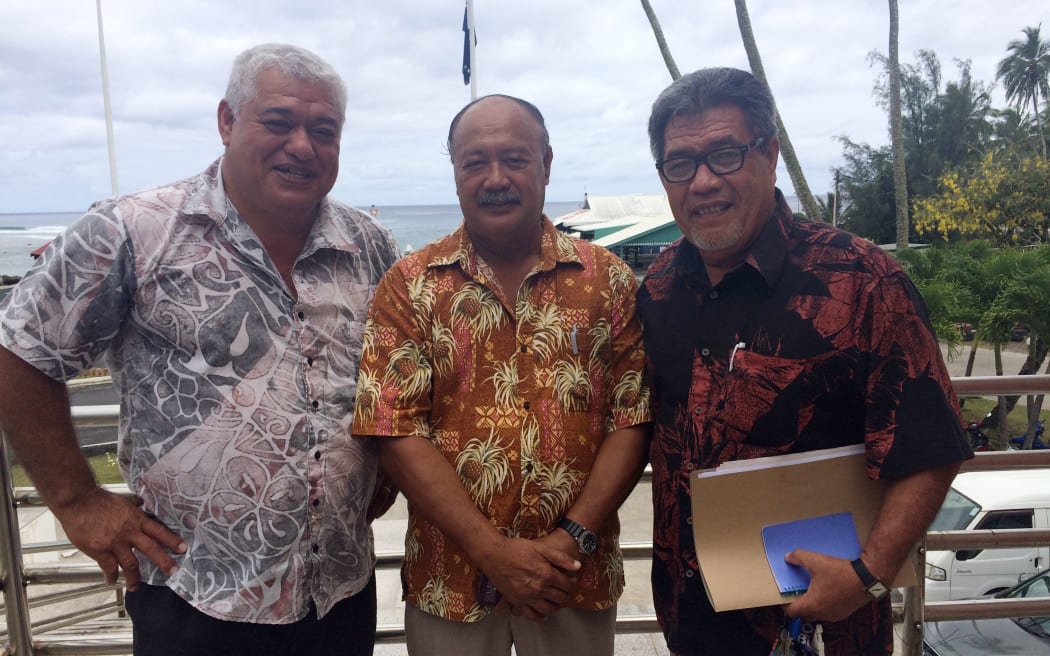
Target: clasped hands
{"x": 534, "y": 577}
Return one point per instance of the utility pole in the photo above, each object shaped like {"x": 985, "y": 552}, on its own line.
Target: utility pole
{"x": 835, "y": 203}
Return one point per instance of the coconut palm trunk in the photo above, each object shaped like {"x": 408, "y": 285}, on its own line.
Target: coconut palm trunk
{"x": 661, "y": 42}
{"x": 809, "y": 204}
{"x": 900, "y": 175}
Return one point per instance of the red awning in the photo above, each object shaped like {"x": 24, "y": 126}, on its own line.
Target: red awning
{"x": 40, "y": 251}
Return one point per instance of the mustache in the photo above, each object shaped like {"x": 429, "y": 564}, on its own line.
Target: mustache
{"x": 499, "y": 198}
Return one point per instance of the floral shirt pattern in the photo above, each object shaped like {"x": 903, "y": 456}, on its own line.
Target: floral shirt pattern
{"x": 517, "y": 397}
{"x": 818, "y": 340}
{"x": 236, "y": 397}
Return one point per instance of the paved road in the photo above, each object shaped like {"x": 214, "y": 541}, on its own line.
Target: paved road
{"x": 1014, "y": 355}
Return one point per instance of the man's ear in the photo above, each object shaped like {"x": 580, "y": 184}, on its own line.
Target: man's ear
{"x": 548, "y": 157}
{"x": 225, "y": 120}
{"x": 773, "y": 153}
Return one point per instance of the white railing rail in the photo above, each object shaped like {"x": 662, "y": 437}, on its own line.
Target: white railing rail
{"x": 23, "y": 636}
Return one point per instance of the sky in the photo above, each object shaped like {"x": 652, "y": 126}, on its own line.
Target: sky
{"x": 593, "y": 69}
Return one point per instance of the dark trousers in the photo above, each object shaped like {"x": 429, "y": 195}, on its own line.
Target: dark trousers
{"x": 166, "y": 625}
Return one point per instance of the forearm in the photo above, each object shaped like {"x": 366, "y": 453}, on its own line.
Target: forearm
{"x": 34, "y": 411}
{"x": 614, "y": 474}
{"x": 432, "y": 487}
{"x": 908, "y": 508}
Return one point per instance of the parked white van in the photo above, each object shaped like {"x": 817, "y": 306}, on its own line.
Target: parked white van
{"x": 989, "y": 500}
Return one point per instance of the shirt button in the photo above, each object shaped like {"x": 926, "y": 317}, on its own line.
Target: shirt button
{"x": 699, "y": 410}
{"x": 525, "y": 405}
{"x": 524, "y": 349}
{"x": 688, "y": 520}
{"x": 316, "y": 404}
{"x": 317, "y": 454}
{"x": 302, "y": 315}
{"x": 309, "y": 362}
{"x": 317, "y": 502}
{"x": 688, "y": 572}
{"x": 713, "y": 295}
{"x": 317, "y": 548}
{"x": 705, "y": 352}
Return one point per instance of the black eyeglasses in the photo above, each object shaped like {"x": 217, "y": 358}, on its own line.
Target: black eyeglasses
{"x": 720, "y": 162}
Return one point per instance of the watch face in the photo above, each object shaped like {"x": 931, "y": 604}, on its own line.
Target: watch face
{"x": 877, "y": 589}
{"x": 588, "y": 542}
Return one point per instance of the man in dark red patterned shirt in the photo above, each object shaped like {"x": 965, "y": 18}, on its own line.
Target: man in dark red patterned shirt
{"x": 766, "y": 334}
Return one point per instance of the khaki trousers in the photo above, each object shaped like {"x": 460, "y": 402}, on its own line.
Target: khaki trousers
{"x": 568, "y": 632}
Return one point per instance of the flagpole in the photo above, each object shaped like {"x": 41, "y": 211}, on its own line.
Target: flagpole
{"x": 105, "y": 102}
{"x": 473, "y": 57}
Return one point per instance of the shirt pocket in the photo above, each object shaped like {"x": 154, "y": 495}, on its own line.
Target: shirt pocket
{"x": 756, "y": 407}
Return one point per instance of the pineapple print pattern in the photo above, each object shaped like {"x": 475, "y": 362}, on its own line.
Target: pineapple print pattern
{"x": 518, "y": 399}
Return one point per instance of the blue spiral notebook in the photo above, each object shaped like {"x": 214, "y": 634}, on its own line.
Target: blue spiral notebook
{"x": 832, "y": 535}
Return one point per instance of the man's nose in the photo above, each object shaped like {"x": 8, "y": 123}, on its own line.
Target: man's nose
{"x": 704, "y": 180}
{"x": 299, "y": 143}
{"x": 496, "y": 176}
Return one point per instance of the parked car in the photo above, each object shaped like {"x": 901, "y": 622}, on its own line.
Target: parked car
{"x": 998, "y": 500}
{"x": 966, "y": 330}
{"x": 1019, "y": 635}
{"x": 1020, "y": 331}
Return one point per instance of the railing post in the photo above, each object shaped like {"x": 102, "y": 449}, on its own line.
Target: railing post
{"x": 914, "y": 604}
{"x": 12, "y": 575}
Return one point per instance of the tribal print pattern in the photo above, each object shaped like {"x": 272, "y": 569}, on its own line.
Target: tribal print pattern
{"x": 817, "y": 340}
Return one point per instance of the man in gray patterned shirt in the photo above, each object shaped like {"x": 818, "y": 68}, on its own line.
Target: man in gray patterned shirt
{"x": 230, "y": 308}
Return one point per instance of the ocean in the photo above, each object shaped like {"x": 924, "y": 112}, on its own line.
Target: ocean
{"x": 412, "y": 225}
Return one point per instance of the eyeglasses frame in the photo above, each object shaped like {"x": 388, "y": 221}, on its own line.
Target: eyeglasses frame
{"x": 757, "y": 143}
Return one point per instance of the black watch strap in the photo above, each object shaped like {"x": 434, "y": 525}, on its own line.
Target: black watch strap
{"x": 586, "y": 540}
{"x": 875, "y": 587}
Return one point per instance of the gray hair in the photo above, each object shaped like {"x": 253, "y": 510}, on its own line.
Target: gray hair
{"x": 529, "y": 107}
{"x": 291, "y": 61}
{"x": 697, "y": 92}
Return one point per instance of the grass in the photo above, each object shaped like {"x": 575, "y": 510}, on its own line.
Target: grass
{"x": 976, "y": 407}
{"x": 104, "y": 466}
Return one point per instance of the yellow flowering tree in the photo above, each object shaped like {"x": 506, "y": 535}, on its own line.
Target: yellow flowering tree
{"x": 1005, "y": 198}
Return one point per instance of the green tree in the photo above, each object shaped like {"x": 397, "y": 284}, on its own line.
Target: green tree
{"x": 826, "y": 208}
{"x": 798, "y": 179}
{"x": 661, "y": 42}
{"x": 1005, "y": 198}
{"x": 900, "y": 174}
{"x": 944, "y": 125}
{"x": 1029, "y": 292}
{"x": 996, "y": 287}
{"x": 866, "y": 198}
{"x": 1025, "y": 74}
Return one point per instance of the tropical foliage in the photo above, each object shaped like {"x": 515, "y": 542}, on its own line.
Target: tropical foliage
{"x": 1025, "y": 72}
{"x": 1005, "y": 198}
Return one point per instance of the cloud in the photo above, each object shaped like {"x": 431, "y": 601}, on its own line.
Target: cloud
{"x": 592, "y": 68}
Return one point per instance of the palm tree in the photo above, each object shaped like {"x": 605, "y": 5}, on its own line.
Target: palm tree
{"x": 900, "y": 176}
{"x": 1026, "y": 74}
{"x": 661, "y": 42}
{"x": 805, "y": 196}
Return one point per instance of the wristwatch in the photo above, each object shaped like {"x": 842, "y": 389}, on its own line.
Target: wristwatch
{"x": 876, "y": 588}
{"x": 585, "y": 539}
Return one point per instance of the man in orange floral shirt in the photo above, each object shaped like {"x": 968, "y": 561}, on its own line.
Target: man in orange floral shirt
{"x": 504, "y": 366}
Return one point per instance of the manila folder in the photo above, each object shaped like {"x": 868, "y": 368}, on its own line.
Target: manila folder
{"x": 733, "y": 502}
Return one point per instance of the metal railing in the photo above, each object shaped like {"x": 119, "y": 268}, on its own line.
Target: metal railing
{"x": 23, "y": 634}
